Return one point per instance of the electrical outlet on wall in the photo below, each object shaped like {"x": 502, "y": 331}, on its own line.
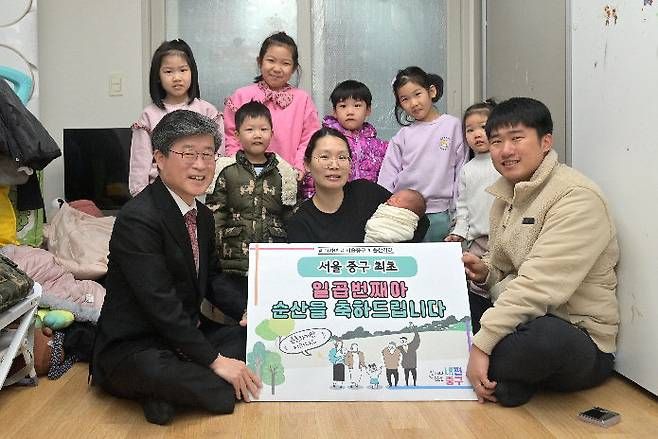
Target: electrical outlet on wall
{"x": 115, "y": 87}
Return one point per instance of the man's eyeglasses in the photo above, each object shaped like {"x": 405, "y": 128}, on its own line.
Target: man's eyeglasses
{"x": 326, "y": 161}
{"x": 191, "y": 156}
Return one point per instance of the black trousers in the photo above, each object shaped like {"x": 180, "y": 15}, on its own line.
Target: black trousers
{"x": 159, "y": 373}
{"x": 392, "y": 373}
{"x": 546, "y": 352}
{"x": 406, "y": 375}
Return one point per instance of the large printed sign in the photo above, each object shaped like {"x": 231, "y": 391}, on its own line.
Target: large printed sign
{"x": 344, "y": 322}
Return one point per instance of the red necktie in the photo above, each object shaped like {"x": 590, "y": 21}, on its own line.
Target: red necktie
{"x": 190, "y": 223}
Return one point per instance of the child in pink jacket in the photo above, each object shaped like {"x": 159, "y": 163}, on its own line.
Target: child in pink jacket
{"x": 293, "y": 113}
{"x": 352, "y": 103}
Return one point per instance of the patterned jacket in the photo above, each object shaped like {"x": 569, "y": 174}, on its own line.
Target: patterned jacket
{"x": 250, "y": 208}
{"x": 367, "y": 154}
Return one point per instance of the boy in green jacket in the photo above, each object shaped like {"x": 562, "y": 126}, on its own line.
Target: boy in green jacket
{"x": 253, "y": 191}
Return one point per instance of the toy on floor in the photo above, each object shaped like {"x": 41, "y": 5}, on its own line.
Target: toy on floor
{"x": 55, "y": 319}
{"x": 49, "y": 356}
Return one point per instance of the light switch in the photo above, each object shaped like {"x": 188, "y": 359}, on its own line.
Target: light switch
{"x": 116, "y": 84}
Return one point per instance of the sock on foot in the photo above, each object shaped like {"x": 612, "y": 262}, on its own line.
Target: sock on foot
{"x": 513, "y": 393}
{"x": 158, "y": 412}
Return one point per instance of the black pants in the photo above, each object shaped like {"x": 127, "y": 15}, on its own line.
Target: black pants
{"x": 159, "y": 373}
{"x": 546, "y": 352}
{"x": 238, "y": 281}
{"x": 392, "y": 373}
{"x": 406, "y": 375}
{"x": 478, "y": 306}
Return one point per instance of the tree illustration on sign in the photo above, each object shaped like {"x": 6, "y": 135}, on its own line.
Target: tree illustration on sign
{"x": 274, "y": 329}
{"x": 256, "y": 358}
{"x": 267, "y": 365}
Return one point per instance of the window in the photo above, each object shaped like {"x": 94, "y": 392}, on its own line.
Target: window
{"x": 366, "y": 40}
{"x": 225, "y": 38}
{"x": 370, "y": 40}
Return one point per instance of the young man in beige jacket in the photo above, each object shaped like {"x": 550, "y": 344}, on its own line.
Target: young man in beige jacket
{"x": 550, "y": 268}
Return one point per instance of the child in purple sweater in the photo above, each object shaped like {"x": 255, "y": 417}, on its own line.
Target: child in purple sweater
{"x": 351, "y": 101}
{"x": 428, "y": 152}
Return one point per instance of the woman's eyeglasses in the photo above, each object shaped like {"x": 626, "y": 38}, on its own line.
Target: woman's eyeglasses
{"x": 326, "y": 161}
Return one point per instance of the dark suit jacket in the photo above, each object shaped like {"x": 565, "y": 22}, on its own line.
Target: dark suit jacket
{"x": 409, "y": 352}
{"x": 153, "y": 291}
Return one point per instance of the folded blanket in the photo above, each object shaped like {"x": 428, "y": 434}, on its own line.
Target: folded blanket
{"x": 80, "y": 242}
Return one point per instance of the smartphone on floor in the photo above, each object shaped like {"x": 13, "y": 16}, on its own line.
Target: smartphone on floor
{"x": 600, "y": 416}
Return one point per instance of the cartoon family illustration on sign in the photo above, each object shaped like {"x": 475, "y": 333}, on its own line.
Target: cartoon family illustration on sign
{"x": 361, "y": 357}
{"x": 349, "y": 365}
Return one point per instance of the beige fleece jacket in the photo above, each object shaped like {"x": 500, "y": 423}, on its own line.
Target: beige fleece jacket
{"x": 553, "y": 249}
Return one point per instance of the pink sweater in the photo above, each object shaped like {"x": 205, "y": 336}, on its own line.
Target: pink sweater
{"x": 293, "y": 125}
{"x": 142, "y": 168}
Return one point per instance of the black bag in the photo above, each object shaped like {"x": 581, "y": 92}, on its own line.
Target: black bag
{"x": 15, "y": 285}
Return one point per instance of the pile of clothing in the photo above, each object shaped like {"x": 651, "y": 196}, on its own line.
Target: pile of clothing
{"x": 25, "y": 147}
{"x": 78, "y": 240}
{"x": 69, "y": 272}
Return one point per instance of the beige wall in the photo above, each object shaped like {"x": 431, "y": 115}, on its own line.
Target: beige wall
{"x": 526, "y": 56}
{"x": 81, "y": 43}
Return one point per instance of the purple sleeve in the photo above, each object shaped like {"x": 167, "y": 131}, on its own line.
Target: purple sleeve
{"x": 391, "y": 166}
{"x": 460, "y": 158}
{"x": 381, "y": 146}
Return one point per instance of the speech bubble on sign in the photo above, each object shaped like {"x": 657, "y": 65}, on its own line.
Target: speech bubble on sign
{"x": 301, "y": 342}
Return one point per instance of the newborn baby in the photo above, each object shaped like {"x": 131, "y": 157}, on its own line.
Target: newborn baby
{"x": 396, "y": 219}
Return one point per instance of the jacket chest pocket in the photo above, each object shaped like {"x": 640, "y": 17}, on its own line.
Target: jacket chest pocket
{"x": 520, "y": 234}
{"x": 277, "y": 234}
{"x": 231, "y": 241}
{"x": 275, "y": 230}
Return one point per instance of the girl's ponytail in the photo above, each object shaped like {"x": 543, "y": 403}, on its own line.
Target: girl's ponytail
{"x": 485, "y": 107}
{"x": 437, "y": 82}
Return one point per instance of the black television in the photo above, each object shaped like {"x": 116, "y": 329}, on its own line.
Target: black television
{"x": 96, "y": 165}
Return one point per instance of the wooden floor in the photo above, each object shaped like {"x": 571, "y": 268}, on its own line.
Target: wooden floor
{"x": 67, "y": 408}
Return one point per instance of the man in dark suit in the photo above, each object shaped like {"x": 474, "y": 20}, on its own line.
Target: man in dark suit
{"x": 152, "y": 344}
{"x": 408, "y": 350}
